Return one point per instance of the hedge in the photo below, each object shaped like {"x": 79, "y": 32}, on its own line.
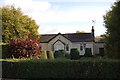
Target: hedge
{"x": 61, "y": 69}
{"x": 74, "y": 53}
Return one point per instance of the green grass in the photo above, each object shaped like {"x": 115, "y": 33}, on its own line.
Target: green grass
{"x": 84, "y": 59}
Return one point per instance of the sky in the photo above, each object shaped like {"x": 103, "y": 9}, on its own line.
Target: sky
{"x": 64, "y": 16}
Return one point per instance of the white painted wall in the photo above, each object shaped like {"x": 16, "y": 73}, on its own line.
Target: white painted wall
{"x": 94, "y": 46}
{"x": 97, "y": 46}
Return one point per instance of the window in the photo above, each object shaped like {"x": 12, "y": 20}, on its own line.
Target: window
{"x": 67, "y": 47}
{"x": 81, "y": 48}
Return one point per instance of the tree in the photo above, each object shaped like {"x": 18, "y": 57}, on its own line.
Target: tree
{"x": 102, "y": 36}
{"x": 80, "y": 31}
{"x": 112, "y": 24}
{"x": 14, "y": 24}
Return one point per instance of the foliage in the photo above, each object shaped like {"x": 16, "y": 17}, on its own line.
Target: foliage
{"x": 59, "y": 54}
{"x": 88, "y": 52}
{"x": 74, "y": 53}
{"x": 26, "y": 47}
{"x": 67, "y": 56}
{"x": 112, "y": 23}
{"x": 14, "y": 24}
{"x": 50, "y": 55}
{"x": 43, "y": 54}
{"x": 85, "y": 68}
{"x": 103, "y": 36}
{"x": 80, "y": 32}
{"x": 5, "y": 51}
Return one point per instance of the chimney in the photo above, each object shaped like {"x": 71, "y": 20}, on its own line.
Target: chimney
{"x": 92, "y": 31}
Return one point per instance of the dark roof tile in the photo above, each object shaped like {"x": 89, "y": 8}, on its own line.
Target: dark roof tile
{"x": 73, "y": 37}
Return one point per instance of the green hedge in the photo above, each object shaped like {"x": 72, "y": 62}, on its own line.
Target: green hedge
{"x": 59, "y": 54}
{"x": 88, "y": 52}
{"x": 74, "y": 54}
{"x": 61, "y": 69}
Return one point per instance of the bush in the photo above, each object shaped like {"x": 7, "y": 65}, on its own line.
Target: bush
{"x": 25, "y": 47}
{"x": 56, "y": 54}
{"x": 67, "y": 55}
{"x": 50, "y": 55}
{"x": 43, "y": 55}
{"x": 88, "y": 52}
{"x": 74, "y": 53}
{"x": 61, "y": 69}
{"x": 59, "y": 54}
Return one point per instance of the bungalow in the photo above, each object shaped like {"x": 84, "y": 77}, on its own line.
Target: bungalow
{"x": 66, "y": 42}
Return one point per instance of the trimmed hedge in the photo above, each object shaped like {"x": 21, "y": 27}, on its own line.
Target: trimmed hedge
{"x": 61, "y": 69}
{"x": 59, "y": 54}
{"x": 74, "y": 54}
{"x": 88, "y": 52}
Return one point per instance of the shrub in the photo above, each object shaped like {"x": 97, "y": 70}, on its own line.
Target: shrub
{"x": 59, "y": 54}
{"x": 61, "y": 69}
{"x": 25, "y": 47}
{"x": 74, "y": 53}
{"x": 88, "y": 52}
{"x": 50, "y": 55}
{"x": 43, "y": 55}
{"x": 56, "y": 54}
{"x": 67, "y": 55}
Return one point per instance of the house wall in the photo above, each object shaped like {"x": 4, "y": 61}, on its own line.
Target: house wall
{"x": 44, "y": 46}
{"x": 61, "y": 38}
{"x": 85, "y": 45}
{"x": 63, "y": 41}
{"x": 97, "y": 46}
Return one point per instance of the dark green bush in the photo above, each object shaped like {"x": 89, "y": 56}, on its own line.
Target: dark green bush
{"x": 74, "y": 54}
{"x": 56, "y": 54}
{"x": 59, "y": 54}
{"x": 67, "y": 56}
{"x": 88, "y": 52}
{"x": 61, "y": 69}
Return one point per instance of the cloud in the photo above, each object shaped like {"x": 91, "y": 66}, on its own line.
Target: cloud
{"x": 79, "y": 0}
{"x": 70, "y": 29}
{"x": 43, "y": 12}
{"x": 28, "y": 7}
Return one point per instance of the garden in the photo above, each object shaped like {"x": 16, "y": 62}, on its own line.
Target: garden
{"x": 58, "y": 64}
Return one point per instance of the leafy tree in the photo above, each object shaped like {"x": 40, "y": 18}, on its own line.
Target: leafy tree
{"x": 14, "y": 24}
{"x": 103, "y": 36}
{"x": 80, "y": 31}
{"x": 112, "y": 23}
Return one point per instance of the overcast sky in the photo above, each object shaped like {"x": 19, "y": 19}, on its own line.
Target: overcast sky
{"x": 65, "y": 16}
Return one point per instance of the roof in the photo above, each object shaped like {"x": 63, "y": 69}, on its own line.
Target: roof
{"x": 73, "y": 37}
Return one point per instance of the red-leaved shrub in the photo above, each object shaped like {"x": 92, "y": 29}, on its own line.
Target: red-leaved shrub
{"x": 26, "y": 47}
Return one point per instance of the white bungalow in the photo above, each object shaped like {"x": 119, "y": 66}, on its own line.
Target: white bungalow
{"x": 66, "y": 42}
